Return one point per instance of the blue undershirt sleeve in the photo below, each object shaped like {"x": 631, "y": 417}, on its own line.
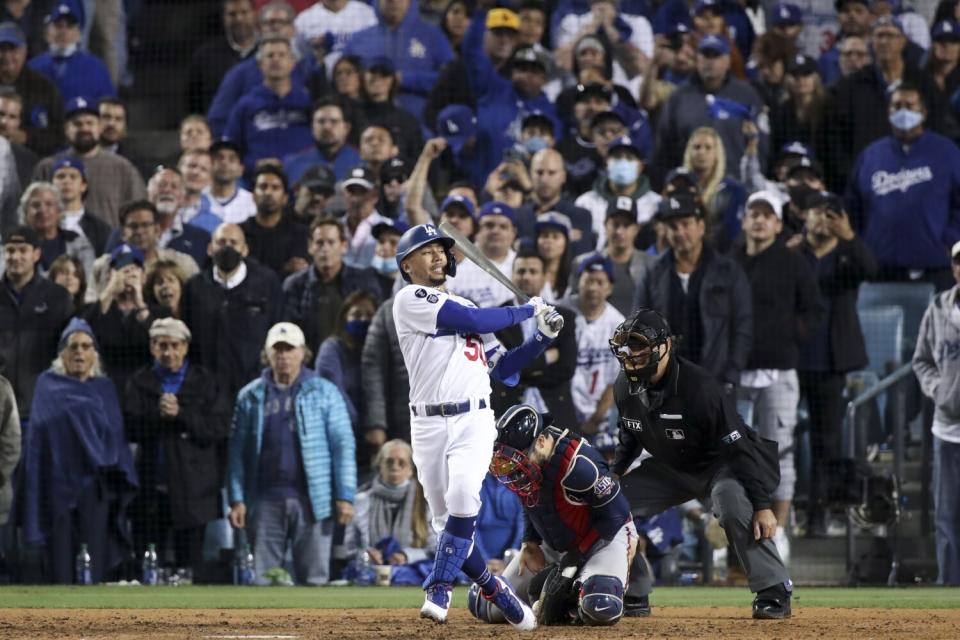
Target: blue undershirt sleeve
{"x": 453, "y": 315}
{"x": 507, "y": 367}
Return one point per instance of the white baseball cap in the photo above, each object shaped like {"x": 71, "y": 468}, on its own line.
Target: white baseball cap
{"x": 772, "y": 198}
{"x": 287, "y": 333}
{"x": 955, "y": 250}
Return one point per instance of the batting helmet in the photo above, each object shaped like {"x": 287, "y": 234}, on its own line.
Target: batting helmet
{"x": 420, "y": 235}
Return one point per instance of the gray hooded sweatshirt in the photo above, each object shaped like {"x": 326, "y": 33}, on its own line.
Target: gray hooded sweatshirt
{"x": 936, "y": 362}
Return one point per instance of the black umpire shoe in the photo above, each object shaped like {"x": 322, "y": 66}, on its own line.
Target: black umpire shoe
{"x": 636, "y": 607}
{"x": 773, "y": 603}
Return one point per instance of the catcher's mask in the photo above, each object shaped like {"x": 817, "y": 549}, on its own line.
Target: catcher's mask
{"x": 517, "y": 430}
{"x": 635, "y": 344}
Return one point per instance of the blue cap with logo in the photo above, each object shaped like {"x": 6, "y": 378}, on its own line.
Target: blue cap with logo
{"x": 786, "y": 14}
{"x": 80, "y": 105}
{"x": 458, "y": 200}
{"x": 707, "y": 5}
{"x": 456, "y": 124}
{"x": 947, "y": 30}
{"x": 497, "y": 208}
{"x": 594, "y": 262}
{"x": 66, "y": 10}
{"x": 125, "y": 254}
{"x": 553, "y": 220}
{"x": 382, "y": 65}
{"x": 714, "y": 44}
{"x": 69, "y": 162}
{"x": 399, "y": 227}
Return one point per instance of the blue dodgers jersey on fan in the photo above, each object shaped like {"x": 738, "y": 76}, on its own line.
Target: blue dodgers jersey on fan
{"x": 907, "y": 205}
{"x": 268, "y": 126}
{"x": 80, "y": 75}
{"x": 580, "y": 502}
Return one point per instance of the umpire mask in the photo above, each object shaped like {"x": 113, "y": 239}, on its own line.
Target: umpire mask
{"x": 636, "y": 345}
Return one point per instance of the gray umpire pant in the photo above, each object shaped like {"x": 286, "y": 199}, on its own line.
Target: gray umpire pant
{"x": 653, "y": 487}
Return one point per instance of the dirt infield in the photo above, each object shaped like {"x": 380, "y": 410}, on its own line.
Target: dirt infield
{"x": 361, "y": 624}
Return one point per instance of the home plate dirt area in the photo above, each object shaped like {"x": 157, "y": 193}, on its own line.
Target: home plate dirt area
{"x": 667, "y": 622}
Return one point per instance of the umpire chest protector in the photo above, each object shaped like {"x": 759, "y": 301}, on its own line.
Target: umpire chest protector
{"x": 561, "y": 516}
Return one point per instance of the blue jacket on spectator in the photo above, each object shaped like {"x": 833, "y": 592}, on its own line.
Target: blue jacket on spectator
{"x": 500, "y": 108}
{"x": 907, "y": 204}
{"x": 417, "y": 48}
{"x": 342, "y": 368}
{"x": 239, "y": 81}
{"x": 268, "y": 126}
{"x": 326, "y": 444}
{"x": 79, "y": 75}
{"x": 345, "y": 159}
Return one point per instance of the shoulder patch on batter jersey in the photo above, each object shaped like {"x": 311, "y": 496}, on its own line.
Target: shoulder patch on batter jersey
{"x": 432, "y": 298}
{"x": 421, "y": 293}
{"x": 731, "y": 437}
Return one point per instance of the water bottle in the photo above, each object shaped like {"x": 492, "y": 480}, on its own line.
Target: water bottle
{"x": 150, "y": 573}
{"x": 247, "y": 571}
{"x": 82, "y": 574}
{"x": 366, "y": 574}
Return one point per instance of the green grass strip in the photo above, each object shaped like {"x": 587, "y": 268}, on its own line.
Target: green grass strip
{"x": 102, "y": 597}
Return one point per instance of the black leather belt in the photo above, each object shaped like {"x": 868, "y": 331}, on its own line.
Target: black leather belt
{"x": 447, "y": 409}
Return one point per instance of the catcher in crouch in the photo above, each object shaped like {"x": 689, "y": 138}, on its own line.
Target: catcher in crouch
{"x": 579, "y": 538}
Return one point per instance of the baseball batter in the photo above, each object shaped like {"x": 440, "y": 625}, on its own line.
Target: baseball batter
{"x": 450, "y": 351}
{"x": 576, "y": 518}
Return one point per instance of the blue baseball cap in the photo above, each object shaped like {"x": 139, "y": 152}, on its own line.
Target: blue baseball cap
{"x": 80, "y": 105}
{"x": 552, "y": 220}
{"x": 11, "y": 33}
{"x": 796, "y": 148}
{"x": 714, "y": 43}
{"x": 69, "y": 163}
{"x": 623, "y": 142}
{"x": 398, "y": 227}
{"x": 801, "y": 65}
{"x": 74, "y": 326}
{"x": 595, "y": 262}
{"x": 706, "y": 5}
{"x": 381, "y": 64}
{"x": 457, "y": 124}
{"x": 497, "y": 208}
{"x": 65, "y": 10}
{"x": 125, "y": 254}
{"x": 947, "y": 30}
{"x": 455, "y": 200}
{"x": 785, "y": 14}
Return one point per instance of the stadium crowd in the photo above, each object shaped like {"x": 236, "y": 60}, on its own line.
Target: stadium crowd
{"x": 200, "y": 348}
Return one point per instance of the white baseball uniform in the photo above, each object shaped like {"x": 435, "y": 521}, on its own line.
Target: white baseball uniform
{"x": 596, "y": 366}
{"x": 453, "y": 453}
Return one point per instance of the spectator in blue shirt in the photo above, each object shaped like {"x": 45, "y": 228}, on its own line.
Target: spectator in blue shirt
{"x": 331, "y": 127}
{"x": 502, "y": 102}
{"x": 904, "y": 195}
{"x": 291, "y": 473}
{"x": 273, "y": 120}
{"x": 418, "y": 49}
{"x": 75, "y": 72}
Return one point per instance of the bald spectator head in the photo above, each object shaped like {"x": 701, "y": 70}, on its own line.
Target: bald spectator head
{"x": 227, "y": 249}
{"x": 548, "y": 175}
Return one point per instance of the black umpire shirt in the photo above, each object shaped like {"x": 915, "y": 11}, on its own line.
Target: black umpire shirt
{"x": 688, "y": 423}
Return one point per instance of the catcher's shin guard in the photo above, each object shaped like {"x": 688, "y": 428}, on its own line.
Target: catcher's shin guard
{"x": 601, "y": 601}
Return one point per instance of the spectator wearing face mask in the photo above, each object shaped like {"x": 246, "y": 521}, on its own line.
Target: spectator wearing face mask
{"x": 623, "y": 178}
{"x": 387, "y": 234}
{"x": 75, "y": 72}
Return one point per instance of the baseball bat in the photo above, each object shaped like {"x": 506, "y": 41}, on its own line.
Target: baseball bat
{"x": 476, "y": 256}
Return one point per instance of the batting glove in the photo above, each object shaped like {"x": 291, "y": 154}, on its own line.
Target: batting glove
{"x": 547, "y": 320}
{"x": 538, "y": 305}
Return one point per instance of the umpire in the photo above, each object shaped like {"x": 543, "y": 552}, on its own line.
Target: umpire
{"x": 677, "y": 412}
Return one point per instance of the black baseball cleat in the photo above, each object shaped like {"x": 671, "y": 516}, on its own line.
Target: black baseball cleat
{"x": 636, "y": 606}
{"x": 773, "y": 603}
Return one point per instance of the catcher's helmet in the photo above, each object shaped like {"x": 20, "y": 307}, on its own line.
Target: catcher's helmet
{"x": 517, "y": 429}
{"x": 635, "y": 345}
{"x": 421, "y": 235}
